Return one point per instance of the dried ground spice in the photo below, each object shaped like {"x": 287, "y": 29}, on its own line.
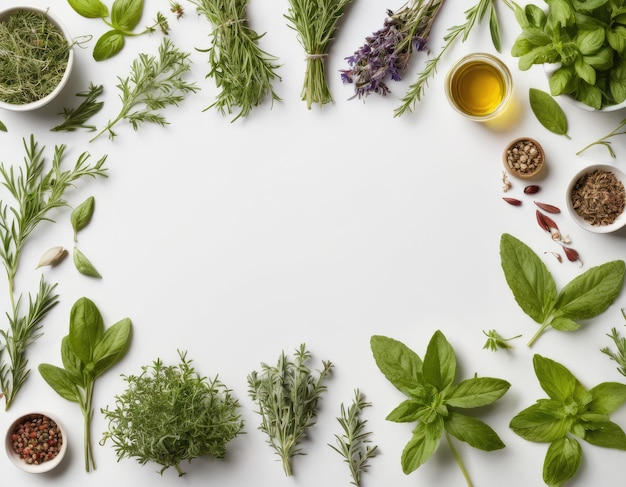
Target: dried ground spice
{"x": 598, "y": 197}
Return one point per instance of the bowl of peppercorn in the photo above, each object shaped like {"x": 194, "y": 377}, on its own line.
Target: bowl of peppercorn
{"x": 524, "y": 157}
{"x": 596, "y": 198}
{"x": 36, "y": 442}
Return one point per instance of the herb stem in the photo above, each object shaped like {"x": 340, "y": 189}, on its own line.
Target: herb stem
{"x": 538, "y": 334}
{"x": 459, "y": 461}
{"x": 87, "y": 410}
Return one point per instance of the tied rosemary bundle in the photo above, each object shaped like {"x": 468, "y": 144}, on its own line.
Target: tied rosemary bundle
{"x": 315, "y": 22}
{"x": 242, "y": 70}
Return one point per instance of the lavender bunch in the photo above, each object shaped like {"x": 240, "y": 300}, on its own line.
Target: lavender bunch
{"x": 386, "y": 53}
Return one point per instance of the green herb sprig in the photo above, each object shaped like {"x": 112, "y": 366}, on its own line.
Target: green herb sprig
{"x": 496, "y": 342}
{"x": 584, "y": 297}
{"x": 604, "y": 140}
{"x": 37, "y": 191}
{"x": 618, "y": 356}
{"x": 155, "y": 83}
{"x": 434, "y": 399}
{"x": 86, "y": 352}
{"x": 288, "y": 396}
{"x": 169, "y": 414}
{"x": 77, "y": 118}
{"x": 571, "y": 412}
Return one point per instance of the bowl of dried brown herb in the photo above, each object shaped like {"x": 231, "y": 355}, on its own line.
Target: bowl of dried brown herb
{"x": 36, "y": 57}
{"x": 596, "y": 198}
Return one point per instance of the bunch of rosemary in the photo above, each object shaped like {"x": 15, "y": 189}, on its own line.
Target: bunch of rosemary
{"x": 315, "y": 22}
{"x": 242, "y": 70}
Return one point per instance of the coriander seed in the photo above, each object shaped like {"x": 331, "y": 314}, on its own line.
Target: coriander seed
{"x": 524, "y": 157}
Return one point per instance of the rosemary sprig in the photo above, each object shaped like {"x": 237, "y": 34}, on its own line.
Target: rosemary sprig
{"x": 618, "y": 356}
{"x": 76, "y": 118}
{"x": 36, "y": 193}
{"x": 242, "y": 70}
{"x": 288, "y": 396}
{"x": 353, "y": 444}
{"x": 473, "y": 16}
{"x": 315, "y": 22}
{"x": 155, "y": 83}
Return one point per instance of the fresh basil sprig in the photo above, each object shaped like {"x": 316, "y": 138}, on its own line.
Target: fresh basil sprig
{"x": 584, "y": 297}
{"x": 434, "y": 399}
{"x": 570, "y": 412}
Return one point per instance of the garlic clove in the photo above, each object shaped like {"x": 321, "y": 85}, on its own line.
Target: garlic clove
{"x": 52, "y": 257}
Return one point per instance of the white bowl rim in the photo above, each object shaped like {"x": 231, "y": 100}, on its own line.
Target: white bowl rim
{"x": 619, "y": 222}
{"x": 68, "y": 70}
{"x": 42, "y": 467}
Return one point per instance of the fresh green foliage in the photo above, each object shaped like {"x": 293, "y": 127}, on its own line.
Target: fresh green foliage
{"x": 77, "y": 118}
{"x": 584, "y": 297}
{"x": 354, "y": 442}
{"x": 548, "y": 111}
{"x": 87, "y": 352}
{"x": 618, "y": 356}
{"x": 604, "y": 140}
{"x": 288, "y": 396}
{"x": 155, "y": 83}
{"x": 495, "y": 341}
{"x": 473, "y": 16}
{"x": 169, "y": 414}
{"x": 83, "y": 264}
{"x": 585, "y": 40}
{"x": 315, "y": 22}
{"x": 36, "y": 192}
{"x": 3, "y": 127}
{"x": 434, "y": 399}
{"x": 81, "y": 215}
{"x": 123, "y": 19}
{"x": 571, "y": 412}
{"x": 243, "y": 72}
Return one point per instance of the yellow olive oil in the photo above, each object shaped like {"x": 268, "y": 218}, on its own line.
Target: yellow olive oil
{"x": 477, "y": 88}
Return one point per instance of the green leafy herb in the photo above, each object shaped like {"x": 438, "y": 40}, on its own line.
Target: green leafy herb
{"x": 584, "y": 297}
{"x": 123, "y": 19}
{"x": 620, "y": 343}
{"x": 242, "y": 70}
{"x": 548, "y": 111}
{"x": 571, "y": 412}
{"x": 37, "y": 191}
{"x": 3, "y": 127}
{"x": 154, "y": 84}
{"x": 169, "y": 414}
{"x": 354, "y": 442}
{"x": 84, "y": 265}
{"x": 76, "y": 118}
{"x": 495, "y": 341}
{"x": 473, "y": 16}
{"x": 81, "y": 215}
{"x": 87, "y": 352}
{"x": 315, "y": 22}
{"x": 288, "y": 396}
{"x": 434, "y": 399}
{"x": 604, "y": 141}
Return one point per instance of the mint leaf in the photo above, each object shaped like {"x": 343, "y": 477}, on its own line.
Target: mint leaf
{"x": 420, "y": 447}
{"x": 398, "y": 363}
{"x": 606, "y": 435}
{"x": 439, "y": 362}
{"x": 607, "y": 397}
{"x": 556, "y": 380}
{"x": 542, "y": 422}
{"x": 473, "y": 431}
{"x": 562, "y": 461}
{"x": 477, "y": 392}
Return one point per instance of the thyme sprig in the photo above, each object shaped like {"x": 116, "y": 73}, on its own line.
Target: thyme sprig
{"x": 473, "y": 16}
{"x": 315, "y": 22}
{"x": 36, "y": 192}
{"x": 288, "y": 396}
{"x": 76, "y": 118}
{"x": 243, "y": 71}
{"x": 155, "y": 83}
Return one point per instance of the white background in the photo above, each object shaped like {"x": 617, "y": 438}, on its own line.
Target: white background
{"x": 236, "y": 241}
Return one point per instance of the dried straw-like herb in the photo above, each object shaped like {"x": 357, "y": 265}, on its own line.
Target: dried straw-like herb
{"x": 76, "y": 118}
{"x": 242, "y": 70}
{"x": 315, "y": 22}
{"x": 33, "y": 57}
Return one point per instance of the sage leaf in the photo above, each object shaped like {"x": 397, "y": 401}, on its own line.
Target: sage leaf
{"x": 3, "y": 127}
{"x": 108, "y": 45}
{"x": 81, "y": 215}
{"x": 548, "y": 112}
{"x": 126, "y": 14}
{"x": 91, "y": 9}
{"x": 59, "y": 380}
{"x": 84, "y": 265}
{"x": 398, "y": 363}
{"x": 52, "y": 257}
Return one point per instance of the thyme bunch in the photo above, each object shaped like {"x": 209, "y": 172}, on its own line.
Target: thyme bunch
{"x": 315, "y": 22}
{"x": 243, "y": 72}
{"x": 288, "y": 396}
{"x": 155, "y": 83}
{"x": 36, "y": 192}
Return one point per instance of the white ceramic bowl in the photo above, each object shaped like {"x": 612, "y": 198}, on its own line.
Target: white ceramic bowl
{"x": 44, "y": 466}
{"x": 70, "y": 61}
{"x": 619, "y": 222}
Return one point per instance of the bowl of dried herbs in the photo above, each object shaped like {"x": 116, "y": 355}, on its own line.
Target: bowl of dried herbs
{"x": 36, "y": 57}
{"x": 596, "y": 198}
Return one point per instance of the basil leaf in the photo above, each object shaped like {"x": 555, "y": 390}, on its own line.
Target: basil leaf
{"x": 606, "y": 435}
{"x": 83, "y": 264}
{"x": 555, "y": 379}
{"x": 81, "y": 215}
{"x": 406, "y": 412}
{"x": 562, "y": 461}
{"x": 58, "y": 379}
{"x": 91, "y": 9}
{"x": 584, "y": 71}
{"x": 439, "y": 368}
{"x": 72, "y": 364}
{"x": 473, "y": 431}
{"x": 562, "y": 81}
{"x": 477, "y": 392}
{"x": 398, "y": 363}
{"x": 562, "y": 13}
{"x": 607, "y": 397}
{"x": 617, "y": 39}
{"x": 541, "y": 422}
{"x": 86, "y": 329}
{"x": 108, "y": 45}
{"x": 112, "y": 346}
{"x": 536, "y": 16}
{"x": 548, "y": 112}
{"x": 592, "y": 292}
{"x": 126, "y": 14}
{"x": 590, "y": 41}
{"x": 420, "y": 448}
{"x": 617, "y": 81}
{"x": 589, "y": 95}
{"x": 528, "y": 277}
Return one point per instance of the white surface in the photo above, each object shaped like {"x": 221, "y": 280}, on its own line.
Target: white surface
{"x": 235, "y": 241}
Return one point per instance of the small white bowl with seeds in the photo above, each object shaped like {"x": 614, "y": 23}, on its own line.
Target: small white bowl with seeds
{"x": 524, "y": 157}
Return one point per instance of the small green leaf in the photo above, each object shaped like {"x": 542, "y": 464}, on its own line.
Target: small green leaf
{"x": 562, "y": 461}
{"x": 407, "y": 412}
{"x": 91, "y": 9}
{"x": 3, "y": 127}
{"x": 477, "y": 392}
{"x": 108, "y": 45}
{"x": 439, "y": 367}
{"x": 548, "y": 112}
{"x": 81, "y": 215}
{"x": 84, "y": 265}
{"x": 59, "y": 380}
{"x": 126, "y": 14}
{"x": 398, "y": 363}
{"x": 473, "y": 431}
{"x": 420, "y": 447}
